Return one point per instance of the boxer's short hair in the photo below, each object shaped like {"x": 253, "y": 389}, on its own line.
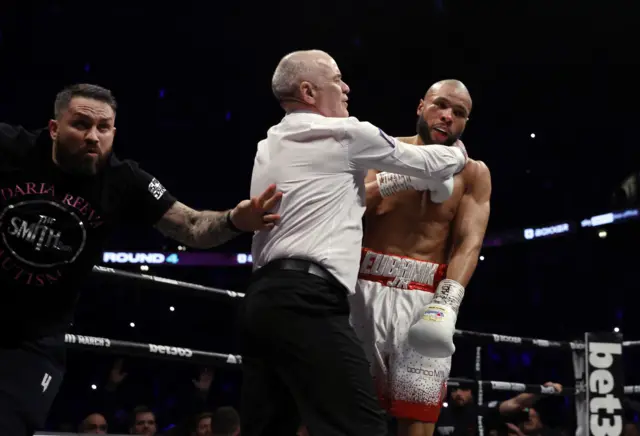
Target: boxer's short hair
{"x": 86, "y": 90}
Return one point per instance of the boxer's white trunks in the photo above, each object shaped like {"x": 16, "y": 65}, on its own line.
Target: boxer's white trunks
{"x": 390, "y": 295}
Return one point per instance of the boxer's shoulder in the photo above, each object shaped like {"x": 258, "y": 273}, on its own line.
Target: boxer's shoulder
{"x": 476, "y": 173}
{"x": 477, "y": 168}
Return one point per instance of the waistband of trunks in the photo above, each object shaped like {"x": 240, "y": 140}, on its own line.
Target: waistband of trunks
{"x": 400, "y": 271}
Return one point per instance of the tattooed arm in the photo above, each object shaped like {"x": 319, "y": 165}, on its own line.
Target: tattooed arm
{"x": 206, "y": 229}
{"x": 197, "y": 229}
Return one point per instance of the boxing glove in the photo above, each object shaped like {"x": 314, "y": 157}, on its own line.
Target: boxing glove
{"x": 441, "y": 190}
{"x": 432, "y": 334}
{"x": 390, "y": 183}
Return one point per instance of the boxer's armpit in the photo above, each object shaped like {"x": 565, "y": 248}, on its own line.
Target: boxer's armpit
{"x": 470, "y": 224}
{"x": 197, "y": 229}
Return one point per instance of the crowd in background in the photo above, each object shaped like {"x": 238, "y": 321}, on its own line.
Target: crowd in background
{"x": 121, "y": 406}
{"x": 207, "y": 405}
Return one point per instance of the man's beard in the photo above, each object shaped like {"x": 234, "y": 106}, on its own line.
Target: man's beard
{"x": 78, "y": 163}
{"x": 424, "y": 132}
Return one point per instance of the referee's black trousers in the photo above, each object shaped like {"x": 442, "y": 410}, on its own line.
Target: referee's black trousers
{"x": 302, "y": 361}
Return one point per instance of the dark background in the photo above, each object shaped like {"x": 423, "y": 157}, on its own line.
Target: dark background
{"x": 193, "y": 83}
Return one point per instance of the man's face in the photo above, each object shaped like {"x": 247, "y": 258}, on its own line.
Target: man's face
{"x": 94, "y": 424}
{"x": 443, "y": 114}
{"x": 83, "y": 135}
{"x": 204, "y": 427}
{"x": 461, "y": 397}
{"x": 328, "y": 93}
{"x": 145, "y": 424}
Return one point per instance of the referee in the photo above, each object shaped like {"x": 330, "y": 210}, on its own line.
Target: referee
{"x": 302, "y": 360}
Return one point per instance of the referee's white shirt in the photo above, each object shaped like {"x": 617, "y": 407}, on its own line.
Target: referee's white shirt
{"x": 320, "y": 164}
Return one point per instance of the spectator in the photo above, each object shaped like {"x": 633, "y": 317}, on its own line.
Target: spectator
{"x": 461, "y": 417}
{"x": 225, "y": 422}
{"x": 530, "y": 425}
{"x": 144, "y": 422}
{"x": 95, "y": 423}
{"x": 203, "y": 425}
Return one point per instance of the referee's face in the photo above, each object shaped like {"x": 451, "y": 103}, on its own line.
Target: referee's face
{"x": 329, "y": 95}
{"x": 83, "y": 135}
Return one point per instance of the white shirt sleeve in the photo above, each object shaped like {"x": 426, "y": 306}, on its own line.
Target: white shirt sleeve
{"x": 368, "y": 147}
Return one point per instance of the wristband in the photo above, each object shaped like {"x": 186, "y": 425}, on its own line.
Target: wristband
{"x": 390, "y": 183}
{"x": 231, "y": 225}
{"x": 449, "y": 293}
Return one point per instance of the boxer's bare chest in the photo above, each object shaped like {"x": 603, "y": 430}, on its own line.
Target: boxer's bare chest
{"x": 410, "y": 224}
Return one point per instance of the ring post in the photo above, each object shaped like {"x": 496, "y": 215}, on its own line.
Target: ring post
{"x": 604, "y": 384}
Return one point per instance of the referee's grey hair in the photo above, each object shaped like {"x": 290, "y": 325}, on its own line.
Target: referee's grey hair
{"x": 293, "y": 69}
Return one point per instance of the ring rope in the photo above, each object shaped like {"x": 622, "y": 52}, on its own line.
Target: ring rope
{"x": 164, "y": 280}
{"x": 492, "y": 338}
{"x": 165, "y": 352}
{"x": 632, "y": 389}
{"x": 495, "y": 385}
{"x": 182, "y": 354}
{"x": 483, "y": 337}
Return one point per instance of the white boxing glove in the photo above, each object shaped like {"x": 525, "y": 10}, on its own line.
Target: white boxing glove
{"x": 441, "y": 190}
{"x": 390, "y": 183}
{"x": 432, "y": 334}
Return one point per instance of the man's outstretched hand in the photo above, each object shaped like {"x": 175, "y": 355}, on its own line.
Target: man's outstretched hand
{"x": 252, "y": 215}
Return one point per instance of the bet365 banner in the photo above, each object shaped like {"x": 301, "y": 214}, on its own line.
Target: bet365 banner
{"x": 605, "y": 383}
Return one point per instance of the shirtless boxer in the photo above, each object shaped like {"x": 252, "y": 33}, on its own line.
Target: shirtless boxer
{"x": 421, "y": 238}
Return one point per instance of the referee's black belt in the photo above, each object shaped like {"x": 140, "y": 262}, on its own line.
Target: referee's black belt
{"x": 301, "y": 265}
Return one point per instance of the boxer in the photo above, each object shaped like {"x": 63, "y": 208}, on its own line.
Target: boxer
{"x": 421, "y": 245}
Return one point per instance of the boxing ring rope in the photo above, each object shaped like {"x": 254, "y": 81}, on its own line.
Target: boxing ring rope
{"x": 165, "y": 281}
{"x": 577, "y": 348}
{"x": 181, "y": 354}
{"x": 154, "y": 351}
{"x": 482, "y": 338}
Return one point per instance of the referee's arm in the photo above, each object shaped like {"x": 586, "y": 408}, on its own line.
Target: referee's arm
{"x": 368, "y": 147}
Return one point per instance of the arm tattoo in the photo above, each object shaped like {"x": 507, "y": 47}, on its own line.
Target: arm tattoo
{"x": 196, "y": 229}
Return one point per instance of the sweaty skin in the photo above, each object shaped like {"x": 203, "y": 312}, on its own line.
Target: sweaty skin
{"x": 409, "y": 224}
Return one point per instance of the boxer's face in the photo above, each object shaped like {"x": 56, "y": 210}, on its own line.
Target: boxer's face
{"x": 83, "y": 135}
{"x": 443, "y": 115}
{"x": 328, "y": 93}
